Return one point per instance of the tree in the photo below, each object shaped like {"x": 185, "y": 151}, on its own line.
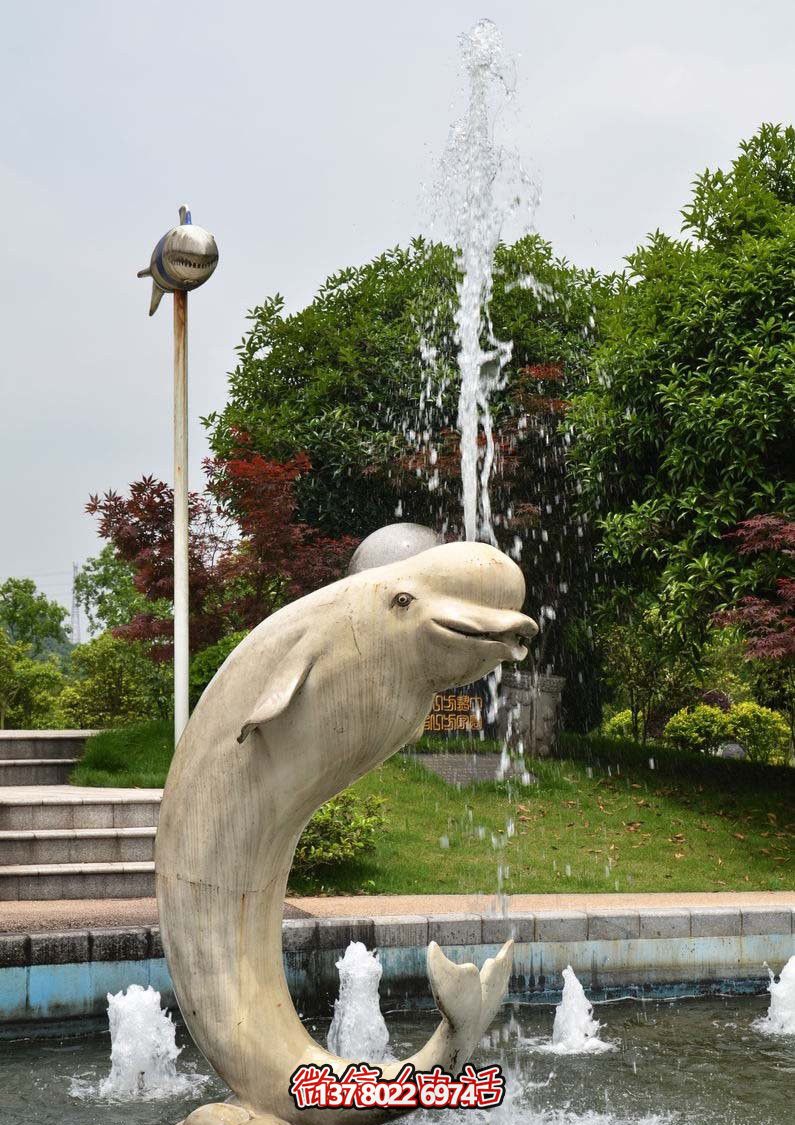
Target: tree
{"x": 767, "y": 616}
{"x": 248, "y": 552}
{"x": 645, "y": 669}
{"x": 684, "y": 428}
{"x": 10, "y": 656}
{"x": 114, "y": 682}
{"x": 105, "y": 590}
{"x": 363, "y": 381}
{"x": 28, "y": 616}
{"x": 29, "y": 689}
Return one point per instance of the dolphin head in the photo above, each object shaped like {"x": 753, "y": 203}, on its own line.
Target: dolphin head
{"x": 451, "y": 614}
{"x": 439, "y": 619}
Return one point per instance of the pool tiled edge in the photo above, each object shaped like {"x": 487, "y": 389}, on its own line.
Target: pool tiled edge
{"x": 49, "y": 979}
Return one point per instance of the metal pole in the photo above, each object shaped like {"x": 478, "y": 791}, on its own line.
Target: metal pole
{"x": 181, "y": 626}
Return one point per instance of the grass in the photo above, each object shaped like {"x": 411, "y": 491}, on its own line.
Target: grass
{"x": 598, "y": 818}
{"x": 132, "y": 757}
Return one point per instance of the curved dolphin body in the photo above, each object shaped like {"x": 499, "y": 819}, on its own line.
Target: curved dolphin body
{"x": 316, "y": 696}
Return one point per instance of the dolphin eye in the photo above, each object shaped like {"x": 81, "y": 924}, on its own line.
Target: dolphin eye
{"x": 403, "y": 600}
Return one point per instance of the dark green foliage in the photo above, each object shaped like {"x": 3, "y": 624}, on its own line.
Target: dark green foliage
{"x": 206, "y": 663}
{"x": 684, "y": 768}
{"x": 686, "y": 426}
{"x": 330, "y": 381}
{"x": 342, "y": 380}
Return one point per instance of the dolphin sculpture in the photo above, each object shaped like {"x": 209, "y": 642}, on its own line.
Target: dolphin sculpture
{"x": 316, "y": 696}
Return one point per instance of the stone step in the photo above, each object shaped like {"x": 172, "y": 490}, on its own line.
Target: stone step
{"x": 76, "y": 880}
{"x": 77, "y": 845}
{"x": 34, "y": 808}
{"x": 43, "y": 743}
{"x": 36, "y": 771}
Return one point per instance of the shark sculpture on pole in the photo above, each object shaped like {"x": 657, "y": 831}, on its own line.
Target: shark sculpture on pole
{"x": 316, "y": 696}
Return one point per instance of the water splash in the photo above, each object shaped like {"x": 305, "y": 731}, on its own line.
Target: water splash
{"x": 575, "y": 1031}
{"x": 481, "y": 184}
{"x": 143, "y": 1052}
{"x": 358, "y": 1030}
{"x": 780, "y": 1018}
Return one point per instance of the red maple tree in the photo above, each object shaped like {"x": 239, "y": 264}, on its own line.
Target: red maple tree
{"x": 248, "y": 551}
{"x": 767, "y": 618}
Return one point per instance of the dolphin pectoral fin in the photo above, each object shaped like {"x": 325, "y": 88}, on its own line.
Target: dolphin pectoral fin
{"x": 494, "y": 978}
{"x": 279, "y": 694}
{"x": 456, "y": 990}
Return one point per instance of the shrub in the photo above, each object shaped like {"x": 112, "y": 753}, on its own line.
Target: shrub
{"x": 763, "y": 734}
{"x": 344, "y": 828}
{"x": 115, "y": 683}
{"x": 206, "y": 663}
{"x": 618, "y": 726}
{"x": 701, "y": 728}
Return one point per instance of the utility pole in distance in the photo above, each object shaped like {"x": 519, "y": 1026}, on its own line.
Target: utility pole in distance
{"x": 184, "y": 258}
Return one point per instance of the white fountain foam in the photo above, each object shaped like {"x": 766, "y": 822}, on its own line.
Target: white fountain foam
{"x": 780, "y": 1018}
{"x": 575, "y": 1031}
{"x": 358, "y": 1030}
{"x": 143, "y": 1052}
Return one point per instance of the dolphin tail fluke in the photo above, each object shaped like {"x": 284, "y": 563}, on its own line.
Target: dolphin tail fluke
{"x": 157, "y": 296}
{"x": 456, "y": 990}
{"x": 469, "y": 999}
{"x": 494, "y": 978}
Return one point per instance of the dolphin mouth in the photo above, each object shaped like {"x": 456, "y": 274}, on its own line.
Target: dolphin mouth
{"x": 510, "y": 639}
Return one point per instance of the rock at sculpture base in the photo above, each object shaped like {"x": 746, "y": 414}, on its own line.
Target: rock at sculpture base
{"x": 222, "y": 1113}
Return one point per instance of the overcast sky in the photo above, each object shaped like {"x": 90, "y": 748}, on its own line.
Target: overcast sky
{"x": 300, "y": 133}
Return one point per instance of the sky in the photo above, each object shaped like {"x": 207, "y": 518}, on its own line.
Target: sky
{"x": 301, "y": 134}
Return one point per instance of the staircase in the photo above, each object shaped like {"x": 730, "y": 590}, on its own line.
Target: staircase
{"x": 59, "y": 841}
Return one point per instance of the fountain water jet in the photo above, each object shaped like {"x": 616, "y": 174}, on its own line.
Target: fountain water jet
{"x": 358, "y": 1030}
{"x": 143, "y": 1052}
{"x": 480, "y": 185}
{"x": 780, "y": 1018}
{"x": 575, "y": 1031}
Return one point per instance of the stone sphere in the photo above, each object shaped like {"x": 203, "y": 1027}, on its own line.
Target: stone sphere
{"x": 392, "y": 543}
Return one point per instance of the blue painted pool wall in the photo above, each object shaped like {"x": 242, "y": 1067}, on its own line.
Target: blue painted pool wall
{"x": 45, "y": 994}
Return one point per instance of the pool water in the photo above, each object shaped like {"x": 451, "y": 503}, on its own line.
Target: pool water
{"x": 692, "y": 1062}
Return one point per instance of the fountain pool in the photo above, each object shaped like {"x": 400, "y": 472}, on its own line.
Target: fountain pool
{"x": 692, "y": 1062}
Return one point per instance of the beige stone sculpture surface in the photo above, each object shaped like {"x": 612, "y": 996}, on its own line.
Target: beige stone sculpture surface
{"x": 316, "y": 696}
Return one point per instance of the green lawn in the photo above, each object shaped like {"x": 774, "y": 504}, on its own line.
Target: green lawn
{"x": 599, "y": 819}
{"x": 137, "y": 757}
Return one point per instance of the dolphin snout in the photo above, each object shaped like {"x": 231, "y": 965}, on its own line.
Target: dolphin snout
{"x": 491, "y": 627}
{"x": 492, "y": 623}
